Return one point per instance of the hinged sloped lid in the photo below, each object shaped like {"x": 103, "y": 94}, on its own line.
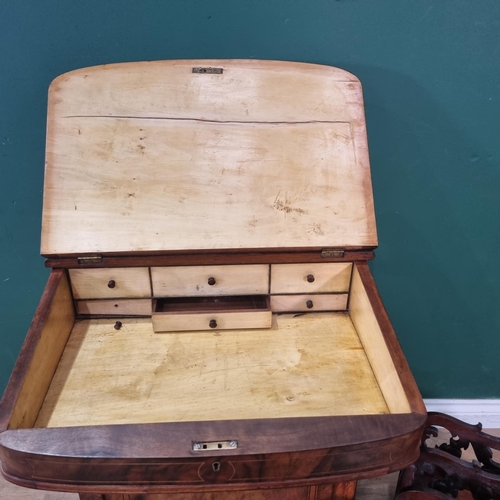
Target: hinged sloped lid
{"x": 206, "y": 155}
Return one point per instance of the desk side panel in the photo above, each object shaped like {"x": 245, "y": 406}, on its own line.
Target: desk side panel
{"x": 381, "y": 344}
{"x": 40, "y": 354}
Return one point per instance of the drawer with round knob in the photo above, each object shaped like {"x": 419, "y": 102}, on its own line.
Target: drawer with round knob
{"x": 311, "y": 278}
{"x": 107, "y": 283}
{"x": 180, "y": 314}
{"x": 191, "y": 281}
{"x": 309, "y": 303}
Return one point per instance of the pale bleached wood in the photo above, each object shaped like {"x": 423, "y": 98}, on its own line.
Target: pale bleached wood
{"x": 246, "y": 91}
{"x": 328, "y": 277}
{"x": 179, "y": 322}
{"x": 189, "y": 281}
{"x": 137, "y": 307}
{"x": 48, "y": 351}
{"x": 327, "y": 302}
{"x": 293, "y": 172}
{"x": 93, "y": 283}
{"x": 376, "y": 349}
{"x": 311, "y": 365}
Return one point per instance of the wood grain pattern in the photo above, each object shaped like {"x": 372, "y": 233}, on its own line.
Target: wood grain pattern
{"x": 246, "y": 91}
{"x": 336, "y": 491}
{"x": 40, "y": 354}
{"x": 327, "y": 277}
{"x": 371, "y": 337}
{"x": 278, "y": 168}
{"x": 93, "y": 283}
{"x": 97, "y": 459}
{"x": 119, "y": 307}
{"x": 186, "y": 281}
{"x": 309, "y": 303}
{"x": 304, "y": 366}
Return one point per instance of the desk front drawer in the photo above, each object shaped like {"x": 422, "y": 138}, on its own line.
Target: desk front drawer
{"x": 110, "y": 283}
{"x": 211, "y": 321}
{"x": 191, "y": 281}
{"x": 311, "y": 278}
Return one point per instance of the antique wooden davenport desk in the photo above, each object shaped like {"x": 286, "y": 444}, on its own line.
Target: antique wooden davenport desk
{"x": 210, "y": 328}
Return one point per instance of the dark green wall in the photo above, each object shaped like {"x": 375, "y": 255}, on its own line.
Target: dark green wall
{"x": 431, "y": 76}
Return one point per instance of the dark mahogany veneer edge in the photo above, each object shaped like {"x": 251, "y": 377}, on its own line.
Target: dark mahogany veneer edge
{"x": 206, "y": 259}
{"x": 159, "y": 457}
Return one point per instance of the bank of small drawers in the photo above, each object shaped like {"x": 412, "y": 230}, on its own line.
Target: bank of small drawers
{"x": 291, "y": 288}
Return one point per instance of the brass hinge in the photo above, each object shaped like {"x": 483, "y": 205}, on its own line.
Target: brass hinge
{"x": 328, "y": 253}
{"x": 89, "y": 260}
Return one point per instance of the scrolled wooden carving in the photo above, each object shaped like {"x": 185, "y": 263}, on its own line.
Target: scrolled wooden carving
{"x": 441, "y": 473}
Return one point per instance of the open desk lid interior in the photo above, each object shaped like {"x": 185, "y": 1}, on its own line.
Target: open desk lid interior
{"x": 173, "y": 156}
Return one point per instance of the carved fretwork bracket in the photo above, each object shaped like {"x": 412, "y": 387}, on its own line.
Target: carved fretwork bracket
{"x": 440, "y": 472}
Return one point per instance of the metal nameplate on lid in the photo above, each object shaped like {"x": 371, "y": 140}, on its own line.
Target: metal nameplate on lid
{"x": 213, "y": 71}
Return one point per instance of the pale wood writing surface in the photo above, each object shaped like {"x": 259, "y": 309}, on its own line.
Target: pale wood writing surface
{"x": 156, "y": 158}
{"x": 312, "y": 365}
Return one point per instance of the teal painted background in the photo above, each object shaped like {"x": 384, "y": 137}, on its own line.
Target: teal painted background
{"x": 431, "y": 76}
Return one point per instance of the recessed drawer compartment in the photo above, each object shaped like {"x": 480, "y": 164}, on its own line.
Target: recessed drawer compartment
{"x": 311, "y": 278}
{"x": 120, "y": 307}
{"x": 110, "y": 283}
{"x": 299, "y": 303}
{"x": 188, "y": 281}
{"x": 211, "y": 313}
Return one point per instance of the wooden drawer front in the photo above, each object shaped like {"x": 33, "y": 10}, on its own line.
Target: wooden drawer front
{"x": 310, "y": 278}
{"x": 190, "y": 281}
{"x": 121, "y": 307}
{"x": 293, "y": 303}
{"x": 110, "y": 283}
{"x": 205, "y": 321}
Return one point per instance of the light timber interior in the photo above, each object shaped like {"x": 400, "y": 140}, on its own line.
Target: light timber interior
{"x": 373, "y": 341}
{"x": 311, "y": 365}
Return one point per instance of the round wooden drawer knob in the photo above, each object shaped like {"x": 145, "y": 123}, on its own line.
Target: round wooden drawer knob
{"x": 211, "y": 281}
{"x": 310, "y": 278}
{"x": 309, "y": 304}
{"x": 111, "y": 283}
{"x": 213, "y": 323}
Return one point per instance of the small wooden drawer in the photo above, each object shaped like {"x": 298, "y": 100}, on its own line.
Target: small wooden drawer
{"x": 120, "y": 307}
{"x": 109, "y": 283}
{"x": 311, "y": 278}
{"x": 190, "y": 281}
{"x": 211, "y": 313}
{"x": 299, "y": 303}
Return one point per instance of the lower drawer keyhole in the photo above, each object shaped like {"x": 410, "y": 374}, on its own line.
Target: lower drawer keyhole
{"x": 216, "y": 466}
